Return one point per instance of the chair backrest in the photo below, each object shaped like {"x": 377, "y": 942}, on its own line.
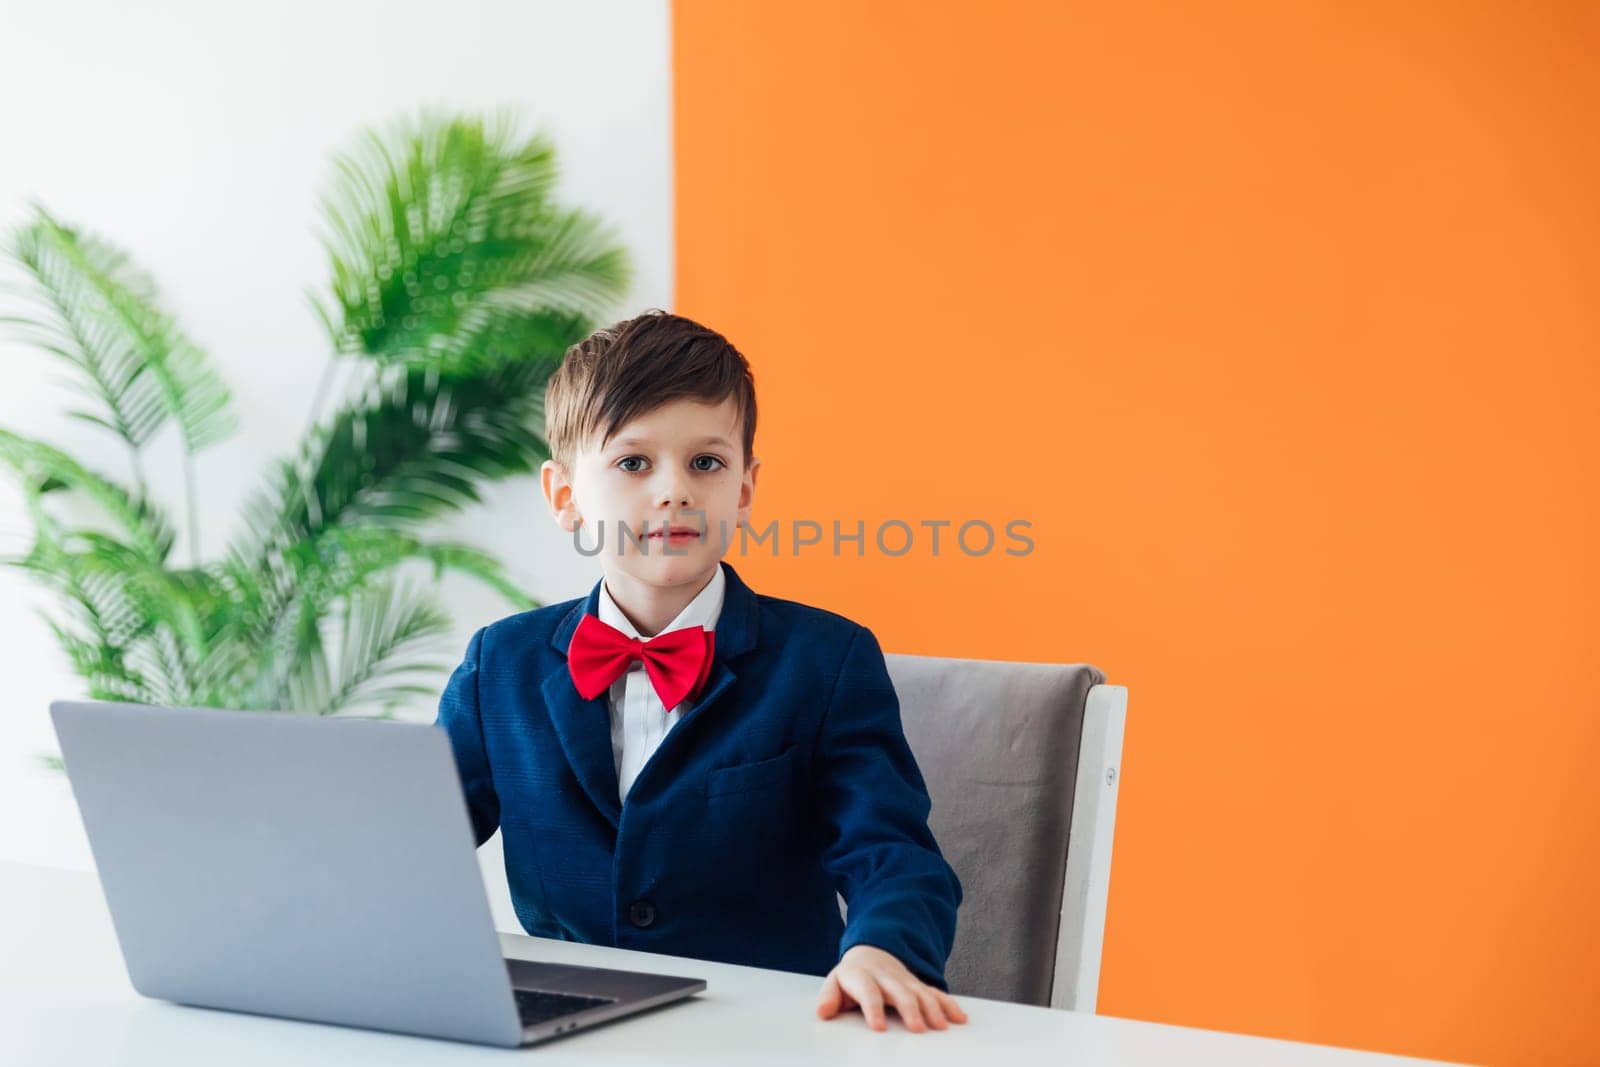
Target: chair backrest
{"x": 1021, "y": 762}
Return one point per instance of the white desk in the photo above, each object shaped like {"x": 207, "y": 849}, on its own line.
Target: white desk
{"x": 65, "y": 999}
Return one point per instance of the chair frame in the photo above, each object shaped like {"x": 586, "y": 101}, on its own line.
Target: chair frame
{"x": 1080, "y": 938}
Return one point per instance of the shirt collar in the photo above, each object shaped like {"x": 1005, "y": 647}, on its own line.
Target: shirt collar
{"x": 702, "y": 611}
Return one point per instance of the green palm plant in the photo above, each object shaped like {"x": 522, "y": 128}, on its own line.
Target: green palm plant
{"x": 455, "y": 286}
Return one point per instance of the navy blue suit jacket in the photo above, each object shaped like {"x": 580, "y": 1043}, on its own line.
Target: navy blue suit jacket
{"x": 789, "y": 779}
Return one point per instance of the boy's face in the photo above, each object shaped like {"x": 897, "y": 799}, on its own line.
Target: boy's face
{"x": 661, "y": 469}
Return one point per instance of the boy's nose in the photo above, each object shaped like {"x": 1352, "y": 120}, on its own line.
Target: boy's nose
{"x": 673, "y": 495}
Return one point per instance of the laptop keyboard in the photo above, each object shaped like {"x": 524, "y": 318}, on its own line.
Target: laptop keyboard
{"x": 537, "y": 1006}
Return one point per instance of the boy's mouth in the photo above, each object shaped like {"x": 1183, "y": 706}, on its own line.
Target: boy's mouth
{"x": 676, "y": 533}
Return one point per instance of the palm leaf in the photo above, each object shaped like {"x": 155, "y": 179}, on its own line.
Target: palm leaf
{"x": 136, "y": 623}
{"x": 139, "y": 630}
{"x": 107, "y": 618}
{"x": 414, "y": 451}
{"x": 42, "y": 468}
{"x": 343, "y": 560}
{"x": 319, "y": 573}
{"x": 442, "y": 228}
{"x": 102, "y": 665}
{"x": 99, "y": 312}
{"x": 69, "y": 319}
{"x": 378, "y": 626}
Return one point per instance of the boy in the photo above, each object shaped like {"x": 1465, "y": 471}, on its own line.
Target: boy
{"x": 678, "y": 764}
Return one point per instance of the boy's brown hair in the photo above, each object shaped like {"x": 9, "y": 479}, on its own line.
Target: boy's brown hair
{"x": 629, "y": 368}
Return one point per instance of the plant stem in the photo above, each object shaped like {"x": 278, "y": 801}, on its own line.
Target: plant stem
{"x": 138, "y": 471}
{"x": 322, "y": 389}
{"x": 194, "y": 517}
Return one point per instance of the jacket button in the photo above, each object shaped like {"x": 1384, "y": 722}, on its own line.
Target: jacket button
{"x": 642, "y": 913}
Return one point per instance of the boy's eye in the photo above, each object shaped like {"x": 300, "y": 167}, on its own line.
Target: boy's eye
{"x": 713, "y": 459}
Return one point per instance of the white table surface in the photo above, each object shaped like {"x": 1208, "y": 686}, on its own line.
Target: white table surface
{"x": 65, "y": 999}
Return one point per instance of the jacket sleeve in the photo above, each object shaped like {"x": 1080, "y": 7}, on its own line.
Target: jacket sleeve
{"x": 872, "y": 805}
{"x": 458, "y": 716}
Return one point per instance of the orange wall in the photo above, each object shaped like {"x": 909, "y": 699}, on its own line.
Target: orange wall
{"x": 1279, "y": 323}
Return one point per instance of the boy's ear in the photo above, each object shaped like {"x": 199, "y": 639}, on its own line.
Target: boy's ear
{"x": 558, "y": 495}
{"x": 747, "y": 490}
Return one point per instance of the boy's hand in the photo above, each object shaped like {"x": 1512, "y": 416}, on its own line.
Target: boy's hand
{"x": 867, "y": 976}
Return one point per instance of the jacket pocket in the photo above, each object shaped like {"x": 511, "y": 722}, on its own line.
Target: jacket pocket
{"x": 742, "y": 777}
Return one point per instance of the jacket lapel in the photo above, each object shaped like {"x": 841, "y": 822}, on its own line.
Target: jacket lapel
{"x": 584, "y": 726}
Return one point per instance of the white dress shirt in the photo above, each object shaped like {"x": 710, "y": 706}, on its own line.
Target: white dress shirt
{"x": 638, "y": 719}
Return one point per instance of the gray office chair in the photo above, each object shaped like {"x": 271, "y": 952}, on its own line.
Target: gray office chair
{"x": 1021, "y": 762}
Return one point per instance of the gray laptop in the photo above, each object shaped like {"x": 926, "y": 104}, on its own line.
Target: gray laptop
{"x": 312, "y": 868}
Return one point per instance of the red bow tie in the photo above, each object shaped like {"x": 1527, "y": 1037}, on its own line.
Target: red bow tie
{"x": 677, "y": 662}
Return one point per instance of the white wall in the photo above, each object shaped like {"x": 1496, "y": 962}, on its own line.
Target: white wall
{"x": 196, "y": 136}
